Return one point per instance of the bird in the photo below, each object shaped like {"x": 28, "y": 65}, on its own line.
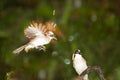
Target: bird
{"x": 79, "y": 63}
{"x": 39, "y": 35}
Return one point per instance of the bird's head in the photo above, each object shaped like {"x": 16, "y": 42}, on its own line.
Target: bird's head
{"x": 77, "y": 52}
{"x": 51, "y": 35}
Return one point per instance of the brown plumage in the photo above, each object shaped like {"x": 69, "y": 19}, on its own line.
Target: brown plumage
{"x": 39, "y": 34}
{"x": 37, "y": 26}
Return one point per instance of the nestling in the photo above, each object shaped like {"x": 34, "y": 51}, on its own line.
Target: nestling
{"x": 39, "y": 35}
{"x": 79, "y": 63}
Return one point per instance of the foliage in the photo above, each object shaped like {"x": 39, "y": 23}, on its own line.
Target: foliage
{"x": 89, "y": 25}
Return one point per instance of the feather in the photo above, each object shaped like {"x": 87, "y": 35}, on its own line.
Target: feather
{"x": 38, "y": 29}
{"x": 18, "y": 50}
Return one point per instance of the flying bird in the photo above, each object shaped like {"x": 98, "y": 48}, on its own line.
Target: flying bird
{"x": 39, "y": 35}
{"x": 79, "y": 63}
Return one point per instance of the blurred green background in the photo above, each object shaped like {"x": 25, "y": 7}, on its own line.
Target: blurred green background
{"x": 93, "y": 26}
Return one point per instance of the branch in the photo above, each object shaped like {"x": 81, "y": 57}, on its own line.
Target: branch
{"x": 93, "y": 68}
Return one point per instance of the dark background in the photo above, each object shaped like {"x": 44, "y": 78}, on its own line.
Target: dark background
{"x": 93, "y": 26}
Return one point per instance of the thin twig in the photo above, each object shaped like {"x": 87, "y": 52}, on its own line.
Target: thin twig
{"x": 93, "y": 68}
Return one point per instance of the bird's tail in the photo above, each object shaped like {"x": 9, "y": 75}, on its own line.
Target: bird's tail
{"x": 18, "y": 50}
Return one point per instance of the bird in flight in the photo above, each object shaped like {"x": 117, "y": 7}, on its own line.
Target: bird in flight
{"x": 39, "y": 35}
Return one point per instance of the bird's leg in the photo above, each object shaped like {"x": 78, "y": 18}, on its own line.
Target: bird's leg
{"x": 41, "y": 48}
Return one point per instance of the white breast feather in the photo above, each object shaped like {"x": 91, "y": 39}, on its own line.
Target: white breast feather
{"x": 80, "y": 65}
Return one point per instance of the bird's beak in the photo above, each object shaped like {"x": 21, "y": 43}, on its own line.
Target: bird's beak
{"x": 73, "y": 56}
{"x": 54, "y": 38}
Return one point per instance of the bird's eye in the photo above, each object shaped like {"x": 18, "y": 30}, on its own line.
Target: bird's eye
{"x": 52, "y": 35}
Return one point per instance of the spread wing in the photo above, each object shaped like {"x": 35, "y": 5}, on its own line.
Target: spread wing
{"x": 50, "y": 26}
{"x": 33, "y": 30}
{"x": 38, "y": 29}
